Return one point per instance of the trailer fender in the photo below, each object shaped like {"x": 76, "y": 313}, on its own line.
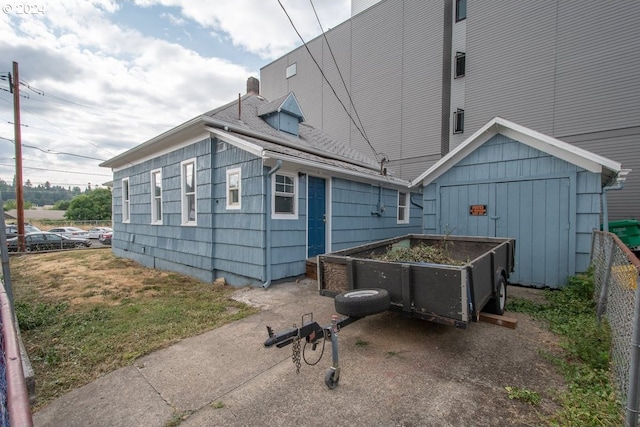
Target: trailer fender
{"x": 362, "y": 302}
{"x": 499, "y": 293}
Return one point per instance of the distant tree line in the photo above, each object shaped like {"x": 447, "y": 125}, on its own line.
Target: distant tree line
{"x": 79, "y": 205}
{"x": 40, "y": 195}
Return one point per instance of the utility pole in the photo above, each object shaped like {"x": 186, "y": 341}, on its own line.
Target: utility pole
{"x": 15, "y": 88}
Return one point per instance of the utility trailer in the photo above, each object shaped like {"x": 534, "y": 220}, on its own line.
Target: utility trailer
{"x": 362, "y": 285}
{"x": 449, "y": 294}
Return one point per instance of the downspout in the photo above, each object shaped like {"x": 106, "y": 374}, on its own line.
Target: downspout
{"x": 618, "y": 185}
{"x": 267, "y": 217}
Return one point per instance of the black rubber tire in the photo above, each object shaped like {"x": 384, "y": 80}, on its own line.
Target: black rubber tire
{"x": 362, "y": 302}
{"x": 330, "y": 380}
{"x": 496, "y": 305}
{"x": 79, "y": 245}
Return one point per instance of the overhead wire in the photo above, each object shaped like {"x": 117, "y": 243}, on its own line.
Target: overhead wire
{"x": 329, "y": 83}
{"x": 54, "y": 152}
{"x": 338, "y": 68}
{"x": 55, "y": 170}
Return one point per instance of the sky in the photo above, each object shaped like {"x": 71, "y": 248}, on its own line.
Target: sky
{"x": 99, "y": 77}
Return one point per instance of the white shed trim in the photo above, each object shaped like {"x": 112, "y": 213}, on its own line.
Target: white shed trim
{"x": 547, "y": 144}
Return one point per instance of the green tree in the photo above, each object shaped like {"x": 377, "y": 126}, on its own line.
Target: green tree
{"x": 94, "y": 205}
{"x": 62, "y": 205}
{"x": 10, "y": 204}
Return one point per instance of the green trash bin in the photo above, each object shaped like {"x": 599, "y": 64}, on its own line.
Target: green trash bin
{"x": 628, "y": 230}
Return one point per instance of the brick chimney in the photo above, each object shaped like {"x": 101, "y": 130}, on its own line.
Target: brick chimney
{"x": 253, "y": 86}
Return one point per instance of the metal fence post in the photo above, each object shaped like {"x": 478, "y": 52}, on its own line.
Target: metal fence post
{"x": 632, "y": 396}
{"x": 602, "y": 301}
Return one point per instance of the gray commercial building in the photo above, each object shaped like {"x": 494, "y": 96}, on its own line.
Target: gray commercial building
{"x": 420, "y": 77}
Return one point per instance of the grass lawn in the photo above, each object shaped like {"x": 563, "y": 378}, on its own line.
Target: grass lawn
{"x": 85, "y": 313}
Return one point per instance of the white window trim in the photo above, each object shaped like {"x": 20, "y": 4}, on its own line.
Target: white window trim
{"x": 407, "y": 210}
{"x": 183, "y": 195}
{"x": 126, "y": 204}
{"x": 154, "y": 214}
{"x": 275, "y": 215}
{"x": 238, "y": 205}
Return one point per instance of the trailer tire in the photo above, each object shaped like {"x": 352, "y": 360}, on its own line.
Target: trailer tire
{"x": 331, "y": 379}
{"x": 362, "y": 302}
{"x": 496, "y": 305}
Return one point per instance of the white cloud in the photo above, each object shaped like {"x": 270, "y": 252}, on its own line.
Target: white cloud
{"x": 124, "y": 86}
{"x": 261, "y": 27}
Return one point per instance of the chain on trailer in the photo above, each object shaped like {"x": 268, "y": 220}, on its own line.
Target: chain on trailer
{"x": 312, "y": 332}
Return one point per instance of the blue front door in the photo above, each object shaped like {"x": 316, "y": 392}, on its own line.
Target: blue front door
{"x": 316, "y": 216}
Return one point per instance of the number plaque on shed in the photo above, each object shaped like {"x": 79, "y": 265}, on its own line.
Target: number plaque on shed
{"x": 478, "y": 210}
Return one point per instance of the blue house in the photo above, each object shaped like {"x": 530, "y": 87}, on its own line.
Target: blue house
{"x": 506, "y": 180}
{"x": 248, "y": 192}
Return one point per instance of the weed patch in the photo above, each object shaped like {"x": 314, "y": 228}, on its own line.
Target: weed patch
{"x": 590, "y": 399}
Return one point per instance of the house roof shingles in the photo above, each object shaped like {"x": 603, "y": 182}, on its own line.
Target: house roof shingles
{"x": 311, "y": 145}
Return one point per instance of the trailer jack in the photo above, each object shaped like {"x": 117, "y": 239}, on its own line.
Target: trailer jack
{"x": 312, "y": 332}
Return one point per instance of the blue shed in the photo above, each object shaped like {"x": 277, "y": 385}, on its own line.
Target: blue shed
{"x": 506, "y": 180}
{"x": 248, "y": 192}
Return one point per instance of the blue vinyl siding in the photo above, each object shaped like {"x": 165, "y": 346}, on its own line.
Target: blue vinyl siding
{"x": 354, "y": 219}
{"x": 231, "y": 243}
{"x": 288, "y": 239}
{"x": 551, "y": 205}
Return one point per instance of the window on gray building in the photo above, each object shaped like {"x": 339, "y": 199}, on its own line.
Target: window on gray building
{"x": 291, "y": 70}
{"x": 461, "y": 10}
{"x": 458, "y": 121}
{"x": 460, "y": 64}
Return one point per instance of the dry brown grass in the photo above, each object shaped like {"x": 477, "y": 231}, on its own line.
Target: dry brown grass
{"x": 84, "y": 313}
{"x": 88, "y": 277}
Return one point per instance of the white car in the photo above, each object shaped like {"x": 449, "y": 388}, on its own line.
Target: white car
{"x": 96, "y": 232}
{"x": 69, "y": 231}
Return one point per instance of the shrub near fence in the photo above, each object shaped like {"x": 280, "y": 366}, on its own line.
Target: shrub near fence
{"x": 616, "y": 281}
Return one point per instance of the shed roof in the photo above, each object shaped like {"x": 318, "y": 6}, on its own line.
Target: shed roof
{"x": 545, "y": 143}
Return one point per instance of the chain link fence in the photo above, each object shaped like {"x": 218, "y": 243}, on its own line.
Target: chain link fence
{"x": 616, "y": 280}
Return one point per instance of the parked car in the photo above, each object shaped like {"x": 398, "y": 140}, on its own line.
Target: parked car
{"x": 46, "y": 241}
{"x": 105, "y": 238}
{"x": 69, "y": 231}
{"x": 96, "y": 232}
{"x": 12, "y": 229}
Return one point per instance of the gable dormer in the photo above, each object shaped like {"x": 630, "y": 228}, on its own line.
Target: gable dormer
{"x": 283, "y": 114}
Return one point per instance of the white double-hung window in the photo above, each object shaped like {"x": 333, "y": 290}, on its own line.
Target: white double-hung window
{"x": 284, "y": 199}
{"x": 126, "y": 213}
{"x": 156, "y": 196}
{"x": 403, "y": 208}
{"x": 189, "y": 200}
{"x": 234, "y": 191}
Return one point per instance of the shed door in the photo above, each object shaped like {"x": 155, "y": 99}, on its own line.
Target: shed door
{"x": 536, "y": 213}
{"x": 317, "y": 216}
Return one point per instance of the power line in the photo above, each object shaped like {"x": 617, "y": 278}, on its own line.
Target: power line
{"x": 61, "y": 171}
{"x": 67, "y": 132}
{"x": 329, "y": 83}
{"x": 338, "y": 68}
{"x": 84, "y": 139}
{"x": 55, "y": 152}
